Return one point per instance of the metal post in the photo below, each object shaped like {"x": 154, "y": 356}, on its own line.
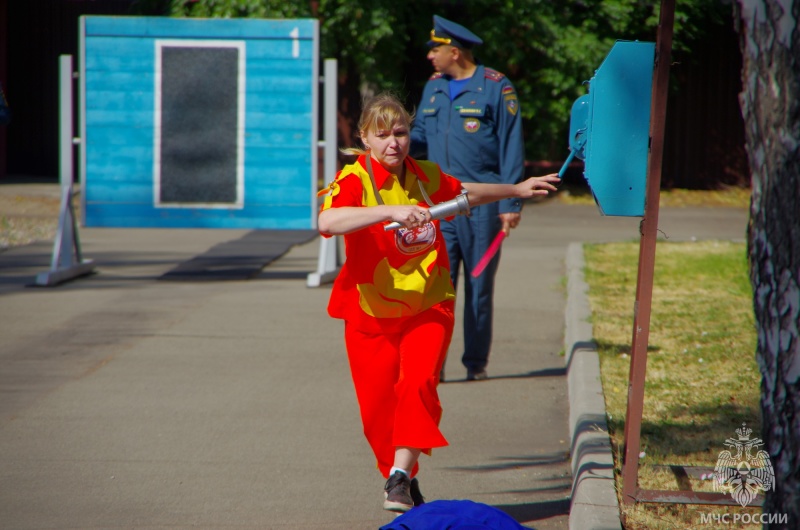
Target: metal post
{"x": 328, "y": 261}
{"x": 329, "y": 126}
{"x": 63, "y": 242}
{"x": 66, "y": 122}
{"x": 647, "y": 253}
{"x": 66, "y": 262}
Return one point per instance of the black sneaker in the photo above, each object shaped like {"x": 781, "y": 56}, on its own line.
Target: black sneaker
{"x": 416, "y": 494}
{"x": 398, "y": 493}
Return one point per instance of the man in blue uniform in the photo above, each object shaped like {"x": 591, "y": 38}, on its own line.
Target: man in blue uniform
{"x": 468, "y": 122}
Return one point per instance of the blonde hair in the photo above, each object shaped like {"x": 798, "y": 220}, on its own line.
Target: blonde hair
{"x": 380, "y": 112}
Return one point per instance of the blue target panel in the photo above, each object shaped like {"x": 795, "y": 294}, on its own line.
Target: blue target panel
{"x": 610, "y": 128}
{"x": 619, "y": 134}
{"x": 206, "y": 123}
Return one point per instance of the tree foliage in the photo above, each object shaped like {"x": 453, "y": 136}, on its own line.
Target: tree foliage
{"x": 548, "y": 49}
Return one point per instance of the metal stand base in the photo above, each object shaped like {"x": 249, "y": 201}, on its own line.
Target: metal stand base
{"x": 67, "y": 262}
{"x": 328, "y": 263}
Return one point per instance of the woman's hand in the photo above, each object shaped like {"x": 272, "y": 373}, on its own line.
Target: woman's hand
{"x": 536, "y": 186}
{"x": 410, "y": 216}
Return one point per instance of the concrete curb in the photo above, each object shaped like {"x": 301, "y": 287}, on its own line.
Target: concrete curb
{"x": 594, "y": 503}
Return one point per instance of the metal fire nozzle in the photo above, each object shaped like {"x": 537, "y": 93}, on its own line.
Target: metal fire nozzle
{"x": 456, "y": 206}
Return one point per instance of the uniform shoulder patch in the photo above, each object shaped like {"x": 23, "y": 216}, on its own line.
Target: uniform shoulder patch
{"x": 333, "y": 187}
{"x": 436, "y": 75}
{"x": 494, "y": 75}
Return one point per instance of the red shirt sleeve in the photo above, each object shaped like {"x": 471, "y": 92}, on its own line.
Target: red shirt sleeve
{"x": 346, "y": 190}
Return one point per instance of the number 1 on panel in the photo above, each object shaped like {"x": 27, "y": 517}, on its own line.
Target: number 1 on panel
{"x": 295, "y": 34}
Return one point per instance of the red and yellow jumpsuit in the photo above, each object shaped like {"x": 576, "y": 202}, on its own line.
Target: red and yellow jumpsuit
{"x": 396, "y": 297}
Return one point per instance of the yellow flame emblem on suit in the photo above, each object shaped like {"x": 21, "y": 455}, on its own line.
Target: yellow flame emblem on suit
{"x": 403, "y": 292}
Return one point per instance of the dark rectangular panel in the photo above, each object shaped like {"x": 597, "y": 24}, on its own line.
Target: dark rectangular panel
{"x": 199, "y": 119}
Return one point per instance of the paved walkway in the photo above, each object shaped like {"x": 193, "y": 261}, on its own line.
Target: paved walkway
{"x": 129, "y": 402}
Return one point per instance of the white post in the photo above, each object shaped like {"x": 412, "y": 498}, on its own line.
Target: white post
{"x": 328, "y": 262}
{"x": 67, "y": 262}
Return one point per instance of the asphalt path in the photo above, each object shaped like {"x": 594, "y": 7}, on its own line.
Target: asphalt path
{"x": 133, "y": 402}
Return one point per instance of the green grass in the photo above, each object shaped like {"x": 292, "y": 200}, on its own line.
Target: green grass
{"x": 702, "y": 379}
{"x": 675, "y": 198}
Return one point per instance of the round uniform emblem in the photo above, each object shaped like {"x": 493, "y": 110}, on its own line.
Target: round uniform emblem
{"x": 471, "y": 125}
{"x": 415, "y": 240}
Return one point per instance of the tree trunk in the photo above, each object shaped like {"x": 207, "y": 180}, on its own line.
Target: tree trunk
{"x": 770, "y": 101}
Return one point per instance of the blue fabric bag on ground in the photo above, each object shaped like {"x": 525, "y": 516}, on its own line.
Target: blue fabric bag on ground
{"x": 454, "y": 515}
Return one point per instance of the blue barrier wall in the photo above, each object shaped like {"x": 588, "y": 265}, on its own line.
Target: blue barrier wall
{"x": 199, "y": 122}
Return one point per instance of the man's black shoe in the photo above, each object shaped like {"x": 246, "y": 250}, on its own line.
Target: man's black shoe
{"x": 477, "y": 375}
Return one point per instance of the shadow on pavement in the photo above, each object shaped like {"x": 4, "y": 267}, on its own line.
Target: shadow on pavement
{"x": 535, "y": 511}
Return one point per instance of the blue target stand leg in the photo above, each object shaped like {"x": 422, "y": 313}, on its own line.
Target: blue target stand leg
{"x": 67, "y": 262}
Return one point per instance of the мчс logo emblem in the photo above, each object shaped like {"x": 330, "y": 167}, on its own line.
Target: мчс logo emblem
{"x": 415, "y": 240}
{"x": 472, "y": 125}
{"x": 742, "y": 474}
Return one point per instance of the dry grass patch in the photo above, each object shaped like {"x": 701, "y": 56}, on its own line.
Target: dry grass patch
{"x": 702, "y": 379}
{"x": 24, "y": 219}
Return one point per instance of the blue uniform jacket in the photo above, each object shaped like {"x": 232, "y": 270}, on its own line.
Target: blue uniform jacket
{"x": 478, "y": 136}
